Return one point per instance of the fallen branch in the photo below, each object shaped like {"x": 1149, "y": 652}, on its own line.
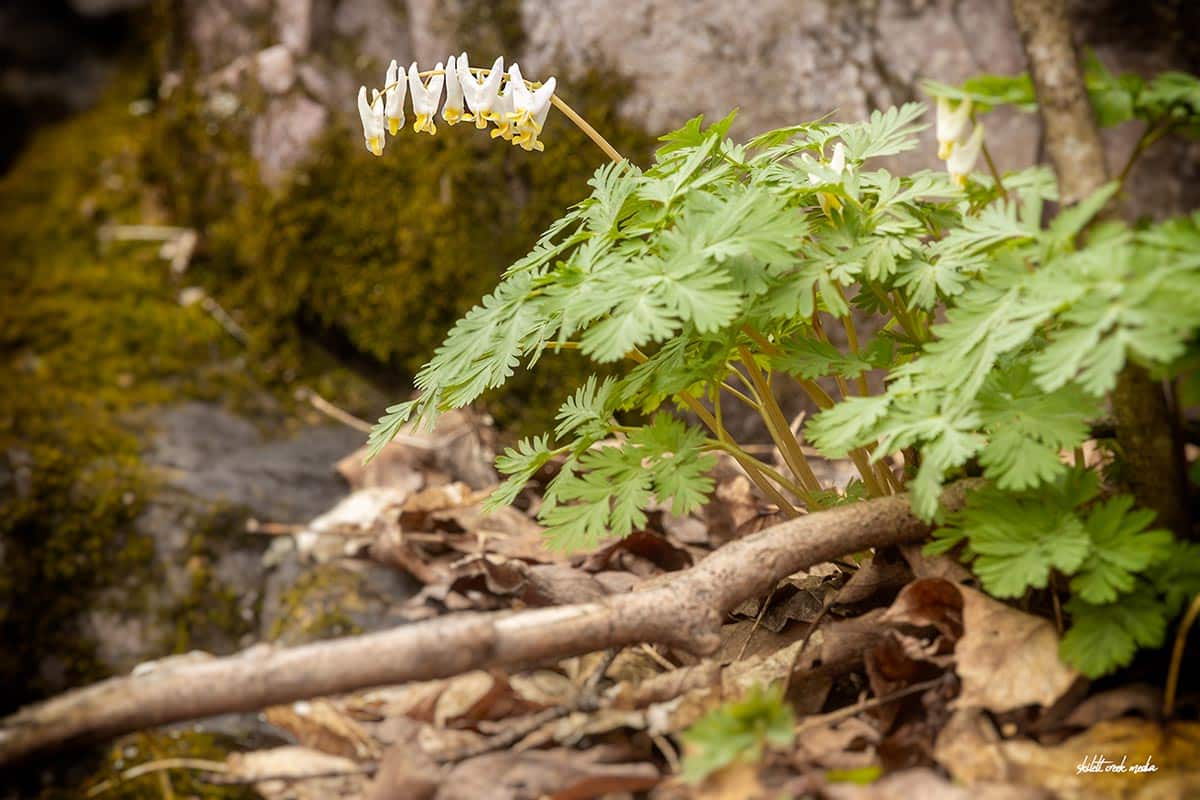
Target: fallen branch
{"x": 683, "y": 610}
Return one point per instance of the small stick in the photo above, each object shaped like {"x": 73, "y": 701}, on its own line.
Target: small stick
{"x": 160, "y": 765}
{"x": 867, "y": 705}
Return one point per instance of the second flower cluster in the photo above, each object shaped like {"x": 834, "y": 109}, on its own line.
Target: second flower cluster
{"x": 515, "y": 107}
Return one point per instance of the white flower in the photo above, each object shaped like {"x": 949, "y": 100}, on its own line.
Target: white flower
{"x": 838, "y": 162}
{"x": 452, "y": 111}
{"x": 482, "y": 95}
{"x": 962, "y": 158}
{"x": 394, "y": 89}
{"x": 530, "y": 108}
{"x": 372, "y": 119}
{"x": 951, "y": 125}
{"x": 504, "y": 110}
{"x": 829, "y": 202}
{"x": 425, "y": 98}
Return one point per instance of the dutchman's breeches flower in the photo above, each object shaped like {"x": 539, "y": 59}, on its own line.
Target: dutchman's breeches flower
{"x": 504, "y": 110}
{"x": 394, "y": 89}
{"x": 951, "y": 125}
{"x": 517, "y": 110}
{"x": 482, "y": 95}
{"x": 372, "y": 120}
{"x": 529, "y": 109}
{"x": 452, "y": 110}
{"x": 829, "y": 202}
{"x": 425, "y": 98}
{"x": 963, "y": 157}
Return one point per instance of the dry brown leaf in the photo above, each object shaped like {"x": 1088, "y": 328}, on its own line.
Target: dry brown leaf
{"x": 843, "y": 744}
{"x": 922, "y": 783}
{"x": 445, "y": 744}
{"x": 545, "y": 688}
{"x": 291, "y": 773}
{"x": 405, "y": 773}
{"x": 395, "y": 467}
{"x": 881, "y": 575}
{"x": 734, "y": 638}
{"x": 476, "y": 696}
{"x": 322, "y": 725}
{"x": 1139, "y": 698}
{"x": 929, "y": 602}
{"x": 972, "y": 752}
{"x": 290, "y": 760}
{"x": 926, "y": 566}
{"x": 415, "y": 700}
{"x": 559, "y": 774}
{"x": 1007, "y": 658}
{"x": 466, "y": 697}
{"x": 738, "y": 781}
{"x": 736, "y": 505}
{"x": 643, "y": 553}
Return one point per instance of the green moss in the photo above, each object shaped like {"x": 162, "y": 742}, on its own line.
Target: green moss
{"x": 317, "y": 606}
{"x": 89, "y": 332}
{"x": 210, "y": 615}
{"x": 144, "y": 748}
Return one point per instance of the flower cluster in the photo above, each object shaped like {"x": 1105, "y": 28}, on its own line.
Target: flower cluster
{"x": 955, "y": 147}
{"x": 507, "y": 101}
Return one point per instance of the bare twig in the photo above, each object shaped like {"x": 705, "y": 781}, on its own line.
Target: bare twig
{"x": 218, "y": 779}
{"x": 330, "y": 410}
{"x": 866, "y": 705}
{"x": 684, "y": 610}
{"x": 160, "y": 765}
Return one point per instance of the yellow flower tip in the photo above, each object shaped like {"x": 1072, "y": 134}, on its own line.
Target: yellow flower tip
{"x": 960, "y": 180}
{"x": 829, "y": 203}
{"x": 424, "y": 124}
{"x": 945, "y": 149}
{"x": 375, "y": 145}
{"x": 453, "y": 116}
{"x": 538, "y": 146}
{"x": 393, "y": 125}
{"x": 481, "y": 121}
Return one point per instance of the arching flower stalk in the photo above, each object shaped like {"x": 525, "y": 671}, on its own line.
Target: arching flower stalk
{"x": 514, "y": 107}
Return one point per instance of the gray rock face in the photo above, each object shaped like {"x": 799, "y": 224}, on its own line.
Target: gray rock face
{"x": 778, "y": 61}
{"x": 212, "y": 454}
{"x": 206, "y": 585}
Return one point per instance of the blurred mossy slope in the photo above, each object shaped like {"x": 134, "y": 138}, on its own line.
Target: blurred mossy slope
{"x": 376, "y": 257}
{"x": 87, "y": 332}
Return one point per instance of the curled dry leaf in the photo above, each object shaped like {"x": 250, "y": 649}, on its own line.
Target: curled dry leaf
{"x": 323, "y": 725}
{"x": 1005, "y": 658}
{"x": 536, "y": 585}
